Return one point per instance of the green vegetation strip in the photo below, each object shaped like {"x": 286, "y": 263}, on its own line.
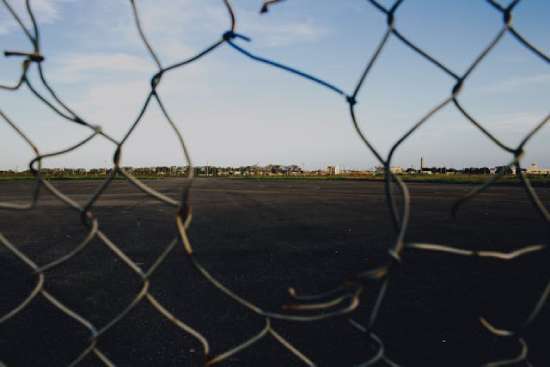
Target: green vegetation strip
{"x": 71, "y": 178}
{"x": 540, "y": 181}
{"x": 444, "y": 179}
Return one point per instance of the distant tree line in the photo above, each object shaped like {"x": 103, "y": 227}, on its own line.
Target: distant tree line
{"x": 270, "y": 170}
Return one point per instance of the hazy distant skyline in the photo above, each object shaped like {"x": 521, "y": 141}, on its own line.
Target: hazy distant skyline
{"x": 234, "y": 112}
{"x": 416, "y": 166}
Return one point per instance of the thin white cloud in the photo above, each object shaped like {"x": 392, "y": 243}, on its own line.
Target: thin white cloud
{"x": 168, "y": 25}
{"x": 188, "y": 19}
{"x": 179, "y": 29}
{"x": 279, "y": 32}
{"x": 518, "y": 123}
{"x": 45, "y": 11}
{"x": 512, "y": 84}
{"x": 168, "y": 17}
{"x": 287, "y": 34}
{"x": 114, "y": 102}
{"x": 77, "y": 67}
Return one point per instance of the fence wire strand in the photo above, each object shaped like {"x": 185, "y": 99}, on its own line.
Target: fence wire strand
{"x": 339, "y": 302}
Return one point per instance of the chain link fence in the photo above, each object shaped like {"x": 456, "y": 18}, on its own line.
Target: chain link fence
{"x": 337, "y": 303}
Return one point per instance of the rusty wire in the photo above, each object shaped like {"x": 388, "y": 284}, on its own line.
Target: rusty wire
{"x": 339, "y": 302}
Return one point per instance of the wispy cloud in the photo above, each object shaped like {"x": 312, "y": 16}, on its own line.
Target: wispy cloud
{"x": 279, "y": 31}
{"x": 77, "y": 67}
{"x": 517, "y": 123}
{"x": 185, "y": 20}
{"x": 287, "y": 34}
{"x": 512, "y": 84}
{"x": 46, "y": 12}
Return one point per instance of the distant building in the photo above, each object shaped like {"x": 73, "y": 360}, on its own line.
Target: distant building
{"x": 333, "y": 170}
{"x": 506, "y": 170}
{"x": 396, "y": 170}
{"x": 533, "y": 169}
{"x": 477, "y": 171}
{"x": 430, "y": 171}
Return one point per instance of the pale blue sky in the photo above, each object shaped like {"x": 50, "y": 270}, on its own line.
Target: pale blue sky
{"x": 233, "y": 111}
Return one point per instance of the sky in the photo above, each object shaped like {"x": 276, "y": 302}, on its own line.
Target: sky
{"x": 233, "y": 111}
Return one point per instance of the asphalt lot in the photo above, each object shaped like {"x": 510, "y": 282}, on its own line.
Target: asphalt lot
{"x": 259, "y": 238}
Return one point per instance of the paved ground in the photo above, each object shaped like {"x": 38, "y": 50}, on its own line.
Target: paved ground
{"x": 260, "y": 237}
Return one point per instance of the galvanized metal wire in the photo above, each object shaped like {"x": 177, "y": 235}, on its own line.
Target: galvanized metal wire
{"x": 340, "y": 302}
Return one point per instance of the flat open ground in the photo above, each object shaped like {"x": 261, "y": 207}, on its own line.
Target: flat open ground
{"x": 259, "y": 238}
